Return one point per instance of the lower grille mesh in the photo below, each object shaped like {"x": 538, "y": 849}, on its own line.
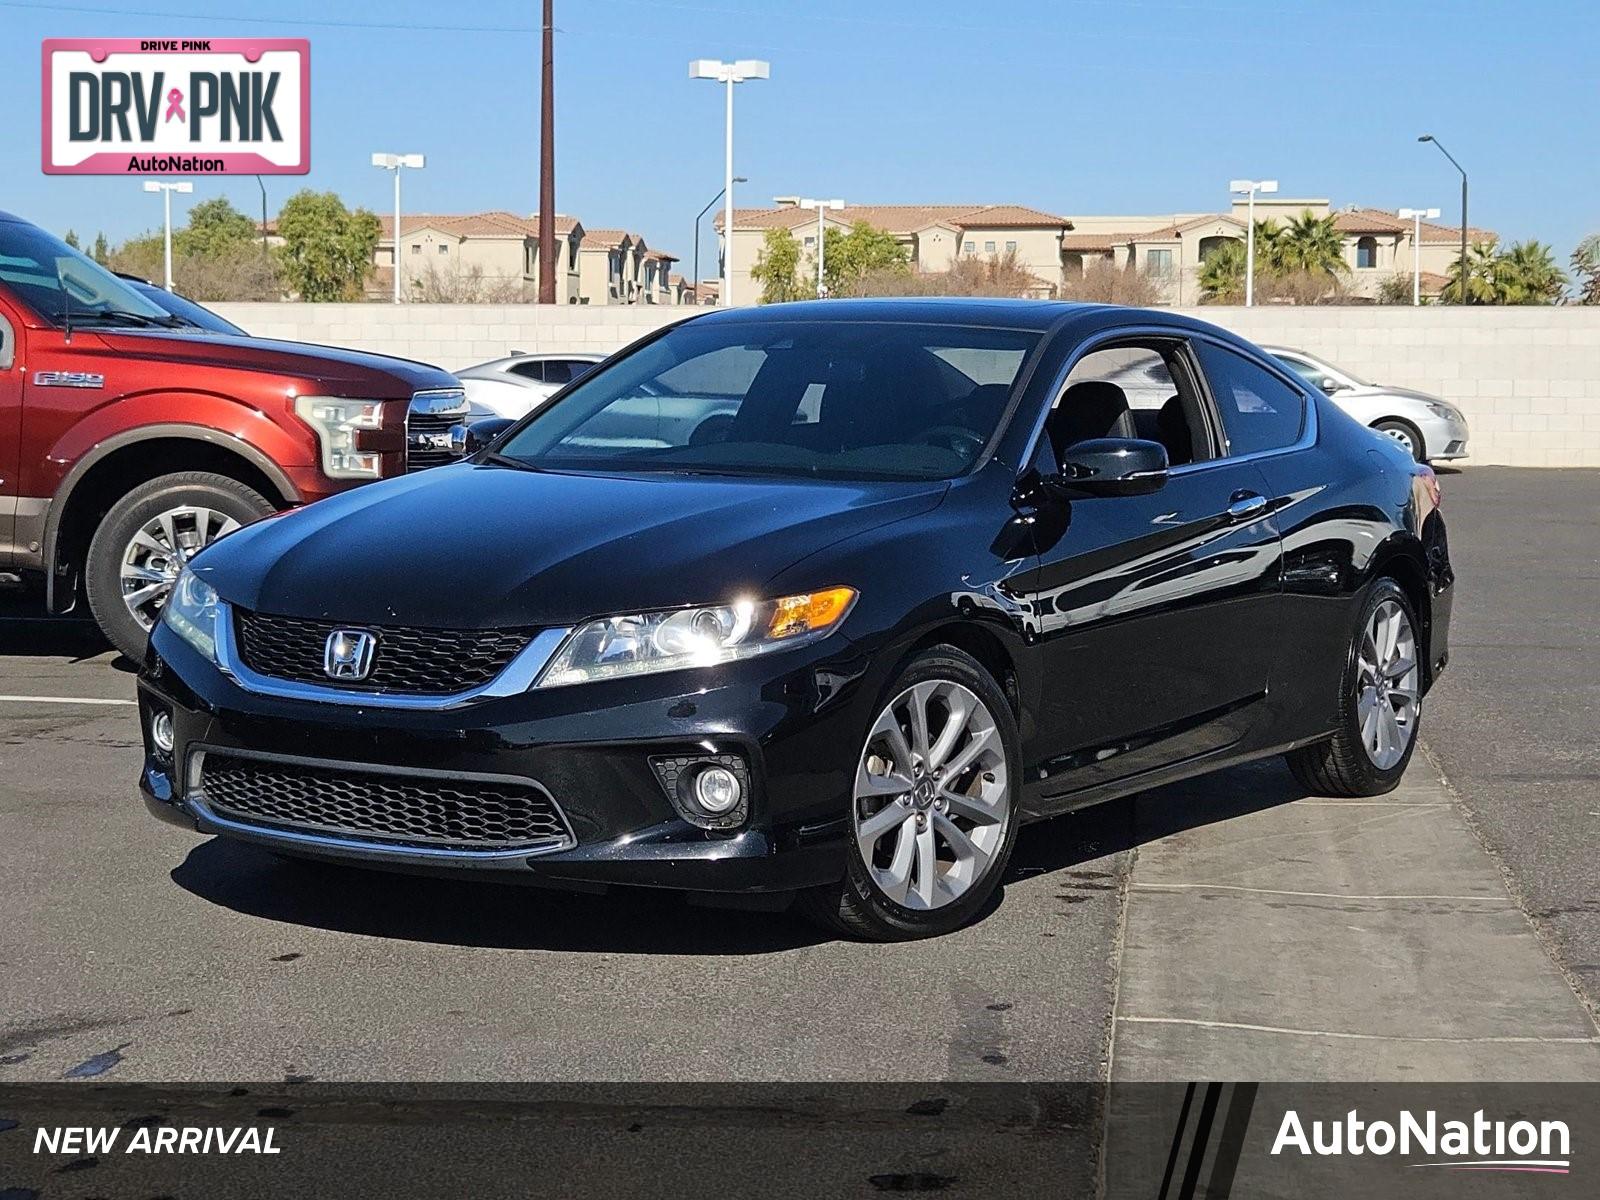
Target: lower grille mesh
{"x": 406, "y": 809}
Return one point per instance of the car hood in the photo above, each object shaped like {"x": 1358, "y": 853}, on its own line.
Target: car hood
{"x": 341, "y": 372}
{"x": 483, "y": 546}
{"x": 1400, "y": 393}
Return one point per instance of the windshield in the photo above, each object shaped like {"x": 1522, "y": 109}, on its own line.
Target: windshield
{"x": 832, "y": 399}
{"x": 37, "y": 266}
{"x": 187, "y": 310}
{"x": 1315, "y": 372}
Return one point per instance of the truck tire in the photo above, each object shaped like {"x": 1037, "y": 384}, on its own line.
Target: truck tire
{"x": 145, "y": 539}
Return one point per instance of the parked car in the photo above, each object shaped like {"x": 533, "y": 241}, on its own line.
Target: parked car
{"x": 1429, "y": 429}
{"x": 519, "y": 383}
{"x": 138, "y": 439}
{"x": 927, "y": 585}
{"x": 182, "y": 307}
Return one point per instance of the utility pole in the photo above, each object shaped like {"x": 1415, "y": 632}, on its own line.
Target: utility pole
{"x": 547, "y": 164}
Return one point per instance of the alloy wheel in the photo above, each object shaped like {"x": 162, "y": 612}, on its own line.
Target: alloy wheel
{"x": 1396, "y": 433}
{"x": 1387, "y": 700}
{"x": 931, "y": 801}
{"x": 158, "y": 552}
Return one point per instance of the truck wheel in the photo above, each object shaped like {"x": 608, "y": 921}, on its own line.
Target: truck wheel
{"x": 145, "y": 540}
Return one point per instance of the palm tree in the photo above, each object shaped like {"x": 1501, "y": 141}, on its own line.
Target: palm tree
{"x": 1222, "y": 273}
{"x": 1527, "y": 274}
{"x": 1586, "y": 265}
{"x": 1308, "y": 244}
{"x": 1480, "y": 272}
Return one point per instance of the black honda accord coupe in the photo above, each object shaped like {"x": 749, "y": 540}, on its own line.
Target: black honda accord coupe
{"x": 922, "y": 572}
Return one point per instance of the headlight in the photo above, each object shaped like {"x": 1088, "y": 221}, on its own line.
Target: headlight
{"x": 641, "y": 643}
{"x": 1444, "y": 410}
{"x": 337, "y": 422}
{"x": 192, "y": 611}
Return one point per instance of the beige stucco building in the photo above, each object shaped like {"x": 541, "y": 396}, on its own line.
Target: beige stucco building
{"x": 602, "y": 266}
{"x": 933, "y": 235}
{"x": 1173, "y": 247}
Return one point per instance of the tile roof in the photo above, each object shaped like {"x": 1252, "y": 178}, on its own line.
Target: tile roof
{"x": 608, "y": 239}
{"x": 1377, "y": 220}
{"x": 900, "y": 218}
{"x": 495, "y": 223}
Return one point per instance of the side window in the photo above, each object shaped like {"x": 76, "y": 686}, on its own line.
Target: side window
{"x": 1141, "y": 391}
{"x": 1259, "y": 411}
{"x": 8, "y": 345}
{"x": 533, "y": 369}
{"x": 557, "y": 371}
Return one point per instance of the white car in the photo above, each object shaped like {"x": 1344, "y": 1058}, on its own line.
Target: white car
{"x": 519, "y": 383}
{"x": 1430, "y": 429}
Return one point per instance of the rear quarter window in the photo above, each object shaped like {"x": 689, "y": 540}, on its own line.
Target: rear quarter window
{"x": 1259, "y": 410}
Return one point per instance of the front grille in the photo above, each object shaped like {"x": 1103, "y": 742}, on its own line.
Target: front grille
{"x": 428, "y": 424}
{"x": 421, "y": 662}
{"x": 371, "y": 805}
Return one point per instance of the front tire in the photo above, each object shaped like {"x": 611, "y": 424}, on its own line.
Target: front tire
{"x": 934, "y": 805}
{"x": 1407, "y": 435}
{"x": 146, "y": 538}
{"x": 1380, "y": 704}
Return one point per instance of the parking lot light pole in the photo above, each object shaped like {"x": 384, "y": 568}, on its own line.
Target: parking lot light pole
{"x": 701, "y": 216}
{"x": 393, "y": 162}
{"x": 822, "y": 206}
{"x": 166, "y": 190}
{"x": 738, "y": 71}
{"x": 1416, "y": 215}
{"x": 1428, "y": 137}
{"x": 1249, "y": 187}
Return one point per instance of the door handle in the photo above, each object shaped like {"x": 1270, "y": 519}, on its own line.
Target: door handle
{"x": 1246, "y": 505}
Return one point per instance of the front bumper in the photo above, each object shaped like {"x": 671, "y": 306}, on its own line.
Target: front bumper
{"x": 1443, "y": 439}
{"x": 793, "y": 718}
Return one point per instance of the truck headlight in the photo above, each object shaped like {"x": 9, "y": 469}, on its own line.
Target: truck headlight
{"x": 644, "y": 643}
{"x": 337, "y": 422}
{"x": 192, "y": 612}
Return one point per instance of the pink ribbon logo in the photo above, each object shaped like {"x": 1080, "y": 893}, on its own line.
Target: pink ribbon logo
{"x": 175, "y": 105}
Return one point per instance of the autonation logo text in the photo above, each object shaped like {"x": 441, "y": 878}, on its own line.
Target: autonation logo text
{"x": 1480, "y": 1144}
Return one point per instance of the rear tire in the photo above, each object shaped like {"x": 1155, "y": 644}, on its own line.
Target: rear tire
{"x": 1407, "y": 435}
{"x": 121, "y": 563}
{"x": 969, "y": 797}
{"x": 1344, "y": 765}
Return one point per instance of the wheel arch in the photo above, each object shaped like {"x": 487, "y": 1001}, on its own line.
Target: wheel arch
{"x": 982, "y": 643}
{"x": 1416, "y": 432}
{"x": 122, "y": 462}
{"x": 1402, "y": 561}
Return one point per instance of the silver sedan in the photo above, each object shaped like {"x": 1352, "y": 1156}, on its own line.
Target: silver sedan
{"x": 1431, "y": 429}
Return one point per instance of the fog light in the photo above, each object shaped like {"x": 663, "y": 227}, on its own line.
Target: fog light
{"x": 161, "y": 732}
{"x": 717, "y": 790}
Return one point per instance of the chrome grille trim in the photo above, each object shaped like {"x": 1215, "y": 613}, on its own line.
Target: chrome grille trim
{"x": 516, "y": 678}
{"x": 429, "y": 417}
{"x": 370, "y": 845}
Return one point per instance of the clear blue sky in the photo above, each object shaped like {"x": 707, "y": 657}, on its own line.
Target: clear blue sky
{"x": 1075, "y": 106}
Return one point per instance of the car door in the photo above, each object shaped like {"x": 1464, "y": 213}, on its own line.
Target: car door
{"x": 11, "y": 371}
{"x": 1155, "y": 613}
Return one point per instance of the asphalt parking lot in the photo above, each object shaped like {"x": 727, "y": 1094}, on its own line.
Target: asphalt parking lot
{"x": 1230, "y": 926}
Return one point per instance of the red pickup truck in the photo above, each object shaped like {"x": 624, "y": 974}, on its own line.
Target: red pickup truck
{"x": 131, "y": 438}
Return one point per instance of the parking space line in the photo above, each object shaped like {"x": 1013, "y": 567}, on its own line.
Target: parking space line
{"x": 1512, "y": 1039}
{"x": 1230, "y": 887}
{"x": 61, "y": 700}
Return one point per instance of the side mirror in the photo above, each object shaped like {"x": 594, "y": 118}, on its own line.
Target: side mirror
{"x": 1113, "y": 467}
{"x": 1331, "y": 385}
{"x": 475, "y": 435}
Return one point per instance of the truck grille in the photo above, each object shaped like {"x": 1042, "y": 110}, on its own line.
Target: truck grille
{"x": 428, "y": 424}
{"x": 381, "y": 805}
{"x": 422, "y": 662}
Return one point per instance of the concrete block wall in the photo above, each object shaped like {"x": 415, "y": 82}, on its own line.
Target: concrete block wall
{"x": 1528, "y": 379}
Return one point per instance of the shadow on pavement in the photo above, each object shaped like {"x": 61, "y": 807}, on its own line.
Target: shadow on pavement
{"x": 27, "y": 633}
{"x": 249, "y": 880}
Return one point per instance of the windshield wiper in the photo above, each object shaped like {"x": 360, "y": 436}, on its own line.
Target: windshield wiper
{"x": 116, "y": 316}
{"x": 505, "y": 460}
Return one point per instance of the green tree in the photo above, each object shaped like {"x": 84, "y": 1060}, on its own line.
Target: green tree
{"x": 1308, "y": 244}
{"x": 72, "y": 240}
{"x": 1479, "y": 271}
{"x": 1222, "y": 273}
{"x": 1526, "y": 273}
{"x": 777, "y": 267}
{"x": 1586, "y": 266}
{"x": 215, "y": 229}
{"x": 327, "y": 249}
{"x": 848, "y": 258}
{"x": 102, "y": 252}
